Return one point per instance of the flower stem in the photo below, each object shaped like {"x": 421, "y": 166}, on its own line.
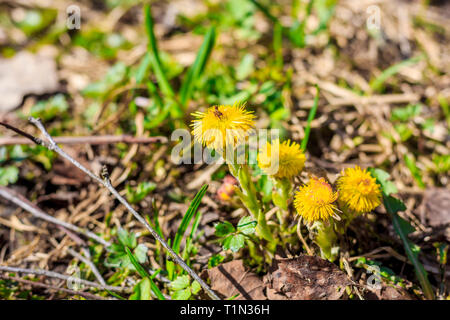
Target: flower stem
{"x": 249, "y": 198}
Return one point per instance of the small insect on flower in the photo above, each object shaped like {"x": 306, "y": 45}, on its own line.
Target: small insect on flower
{"x": 314, "y": 201}
{"x": 284, "y": 160}
{"x": 358, "y": 190}
{"x": 222, "y": 126}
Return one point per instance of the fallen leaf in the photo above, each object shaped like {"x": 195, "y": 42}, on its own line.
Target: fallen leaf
{"x": 231, "y": 278}
{"x": 435, "y": 207}
{"x": 24, "y": 74}
{"x": 388, "y": 293}
{"x": 305, "y": 278}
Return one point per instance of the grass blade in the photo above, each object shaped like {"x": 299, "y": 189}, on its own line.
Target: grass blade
{"x": 377, "y": 83}
{"x": 415, "y": 171}
{"x": 197, "y": 68}
{"x": 188, "y": 217}
{"x": 187, "y": 248}
{"x": 311, "y": 115}
{"x": 155, "y": 61}
{"x": 265, "y": 11}
{"x": 409, "y": 248}
{"x": 183, "y": 227}
{"x": 144, "y": 274}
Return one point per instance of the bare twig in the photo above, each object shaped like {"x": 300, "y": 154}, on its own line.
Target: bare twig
{"x": 93, "y": 140}
{"x": 105, "y": 182}
{"x": 87, "y": 295}
{"x": 300, "y": 236}
{"x": 87, "y": 261}
{"x": 23, "y": 133}
{"x": 35, "y": 211}
{"x": 60, "y": 276}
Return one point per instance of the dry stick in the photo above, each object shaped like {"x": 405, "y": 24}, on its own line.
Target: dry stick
{"x": 48, "y": 286}
{"x": 93, "y": 140}
{"x": 28, "y": 206}
{"x": 51, "y": 145}
{"x": 60, "y": 276}
{"x": 31, "y": 208}
{"x": 89, "y": 263}
{"x": 300, "y": 236}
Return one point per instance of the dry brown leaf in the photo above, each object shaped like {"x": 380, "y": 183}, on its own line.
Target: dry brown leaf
{"x": 24, "y": 74}
{"x": 388, "y": 293}
{"x": 231, "y": 278}
{"x": 436, "y": 207}
{"x": 305, "y": 278}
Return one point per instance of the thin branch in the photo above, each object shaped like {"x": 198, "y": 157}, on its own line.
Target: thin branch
{"x": 60, "y": 276}
{"x": 35, "y": 211}
{"x": 92, "y": 140}
{"x": 87, "y": 261}
{"x": 23, "y": 133}
{"x": 105, "y": 182}
{"x": 300, "y": 236}
{"x": 87, "y": 295}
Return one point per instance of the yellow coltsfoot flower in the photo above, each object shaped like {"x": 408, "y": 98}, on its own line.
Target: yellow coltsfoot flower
{"x": 284, "y": 160}
{"x": 314, "y": 201}
{"x": 222, "y": 126}
{"x": 358, "y": 190}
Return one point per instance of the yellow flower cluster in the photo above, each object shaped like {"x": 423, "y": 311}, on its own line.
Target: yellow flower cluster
{"x": 282, "y": 160}
{"x": 357, "y": 191}
{"x": 222, "y": 126}
{"x": 315, "y": 200}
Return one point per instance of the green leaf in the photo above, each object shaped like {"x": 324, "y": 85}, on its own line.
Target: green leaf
{"x": 395, "y": 205}
{"x": 140, "y": 192}
{"x": 404, "y": 131}
{"x": 141, "y": 290}
{"x": 144, "y": 274}
{"x": 411, "y": 249}
{"x": 226, "y": 242}
{"x": 382, "y": 177}
{"x": 181, "y": 282}
{"x": 8, "y": 175}
{"x": 406, "y": 113}
{"x": 247, "y": 225}
{"x": 195, "y": 287}
{"x": 141, "y": 253}
{"x": 182, "y": 294}
{"x": 441, "y": 163}
{"x": 215, "y": 260}
{"x": 127, "y": 239}
{"x": 47, "y": 110}
{"x": 224, "y": 228}
{"x": 246, "y": 67}
{"x": 237, "y": 242}
{"x": 197, "y": 68}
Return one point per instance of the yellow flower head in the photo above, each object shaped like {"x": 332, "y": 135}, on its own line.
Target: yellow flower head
{"x": 314, "y": 201}
{"x": 284, "y": 160}
{"x": 358, "y": 190}
{"x": 222, "y": 126}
